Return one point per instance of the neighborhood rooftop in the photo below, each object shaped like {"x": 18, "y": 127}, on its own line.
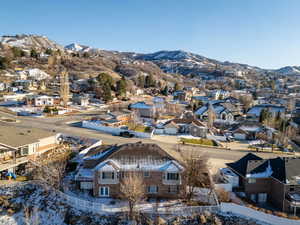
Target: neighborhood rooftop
{"x": 17, "y": 136}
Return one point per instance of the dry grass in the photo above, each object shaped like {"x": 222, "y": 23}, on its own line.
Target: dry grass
{"x": 201, "y": 141}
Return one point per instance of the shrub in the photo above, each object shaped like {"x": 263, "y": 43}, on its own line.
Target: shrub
{"x": 223, "y": 195}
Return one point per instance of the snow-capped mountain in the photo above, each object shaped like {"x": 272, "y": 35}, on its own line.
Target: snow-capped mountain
{"x": 176, "y": 61}
{"x": 174, "y": 55}
{"x": 289, "y": 70}
{"x": 28, "y": 42}
{"x": 77, "y": 48}
{"x": 183, "y": 62}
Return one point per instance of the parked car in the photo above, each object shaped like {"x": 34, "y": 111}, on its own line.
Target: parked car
{"x": 126, "y": 134}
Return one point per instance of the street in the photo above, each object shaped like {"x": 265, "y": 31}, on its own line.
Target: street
{"x": 64, "y": 125}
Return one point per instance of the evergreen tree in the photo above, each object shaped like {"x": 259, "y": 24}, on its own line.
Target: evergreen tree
{"x": 106, "y": 93}
{"x": 86, "y": 55}
{"x": 121, "y": 87}
{"x": 141, "y": 81}
{"x": 105, "y": 78}
{"x": 33, "y": 53}
{"x": 49, "y": 51}
{"x": 17, "y": 52}
{"x": 149, "y": 81}
{"x": 4, "y": 62}
{"x": 165, "y": 91}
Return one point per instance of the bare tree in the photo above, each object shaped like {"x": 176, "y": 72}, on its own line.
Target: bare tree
{"x": 211, "y": 116}
{"x": 196, "y": 173}
{"x": 50, "y": 172}
{"x": 132, "y": 189}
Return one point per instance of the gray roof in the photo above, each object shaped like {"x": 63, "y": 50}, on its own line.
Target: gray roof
{"x": 284, "y": 169}
{"x": 16, "y": 136}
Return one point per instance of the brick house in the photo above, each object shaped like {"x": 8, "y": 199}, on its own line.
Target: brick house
{"x": 275, "y": 181}
{"x": 104, "y": 169}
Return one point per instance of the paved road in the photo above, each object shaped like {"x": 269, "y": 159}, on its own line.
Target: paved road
{"x": 61, "y": 125}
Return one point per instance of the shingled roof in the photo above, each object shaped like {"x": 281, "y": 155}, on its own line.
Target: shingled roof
{"x": 284, "y": 169}
{"x": 106, "y": 153}
{"x": 186, "y": 121}
{"x": 240, "y": 166}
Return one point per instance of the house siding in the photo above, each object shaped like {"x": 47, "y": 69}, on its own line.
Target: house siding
{"x": 155, "y": 179}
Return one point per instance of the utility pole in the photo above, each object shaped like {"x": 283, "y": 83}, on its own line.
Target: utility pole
{"x": 64, "y": 87}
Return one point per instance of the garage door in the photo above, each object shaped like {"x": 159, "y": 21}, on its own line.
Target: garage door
{"x": 86, "y": 185}
{"x": 240, "y": 136}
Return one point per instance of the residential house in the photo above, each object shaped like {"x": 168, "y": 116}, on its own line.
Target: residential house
{"x": 275, "y": 181}
{"x": 104, "y": 169}
{"x": 29, "y": 142}
{"x": 246, "y": 132}
{"x": 225, "y": 111}
{"x": 3, "y": 86}
{"x": 82, "y": 100}
{"x": 219, "y": 94}
{"x": 255, "y": 111}
{"x": 42, "y": 100}
{"x": 190, "y": 126}
{"x": 182, "y": 96}
{"x": 143, "y": 109}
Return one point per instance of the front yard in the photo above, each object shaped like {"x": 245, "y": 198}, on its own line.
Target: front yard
{"x": 198, "y": 141}
{"x": 138, "y": 127}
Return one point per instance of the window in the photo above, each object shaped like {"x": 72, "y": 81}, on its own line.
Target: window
{"x": 173, "y": 189}
{"x": 104, "y": 191}
{"x": 172, "y": 176}
{"x": 146, "y": 174}
{"x": 108, "y": 175}
{"x": 253, "y": 197}
{"x": 251, "y": 180}
{"x": 24, "y": 150}
{"x": 86, "y": 185}
{"x": 152, "y": 189}
{"x": 292, "y": 188}
{"x": 262, "y": 197}
{"x": 122, "y": 174}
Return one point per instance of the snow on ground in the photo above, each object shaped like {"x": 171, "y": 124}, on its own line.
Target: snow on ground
{"x": 34, "y": 204}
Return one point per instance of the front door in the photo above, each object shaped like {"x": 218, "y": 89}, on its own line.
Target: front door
{"x": 104, "y": 191}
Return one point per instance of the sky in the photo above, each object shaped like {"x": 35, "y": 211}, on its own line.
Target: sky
{"x": 262, "y": 33}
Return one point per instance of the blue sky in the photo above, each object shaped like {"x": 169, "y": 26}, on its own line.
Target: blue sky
{"x": 263, "y": 33}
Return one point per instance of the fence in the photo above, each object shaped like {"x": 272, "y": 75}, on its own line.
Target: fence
{"x": 102, "y": 208}
{"x": 163, "y": 209}
{"x": 186, "y": 210}
{"x": 113, "y": 130}
{"x": 257, "y": 215}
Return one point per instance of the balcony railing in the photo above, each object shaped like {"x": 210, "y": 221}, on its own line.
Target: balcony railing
{"x": 108, "y": 181}
{"x": 171, "y": 182}
{"x": 294, "y": 199}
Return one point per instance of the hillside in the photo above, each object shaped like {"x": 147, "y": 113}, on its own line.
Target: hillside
{"x": 27, "y": 42}
{"x": 84, "y": 61}
{"x": 289, "y": 70}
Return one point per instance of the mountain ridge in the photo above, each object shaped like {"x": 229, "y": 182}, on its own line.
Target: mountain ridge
{"x": 169, "y": 61}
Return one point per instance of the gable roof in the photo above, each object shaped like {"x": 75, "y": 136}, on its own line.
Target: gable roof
{"x": 284, "y": 169}
{"x": 171, "y": 124}
{"x": 109, "y": 152}
{"x": 256, "y": 110}
{"x": 240, "y": 166}
{"x": 186, "y": 121}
